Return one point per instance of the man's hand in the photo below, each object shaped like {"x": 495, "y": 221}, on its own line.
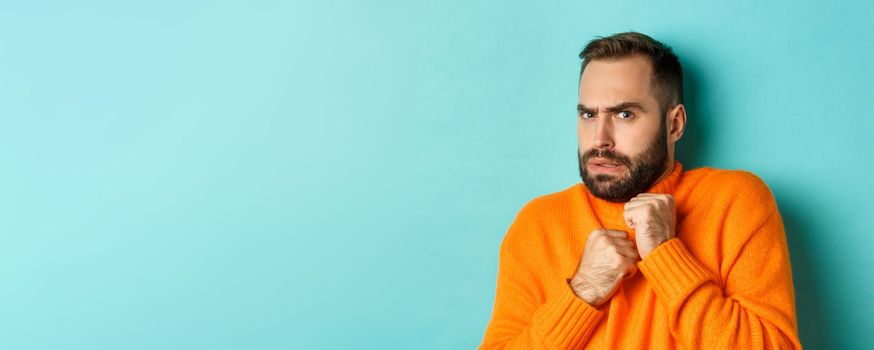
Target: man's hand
{"x": 607, "y": 257}
{"x": 653, "y": 218}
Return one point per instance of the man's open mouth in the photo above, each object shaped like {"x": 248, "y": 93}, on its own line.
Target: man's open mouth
{"x": 605, "y": 163}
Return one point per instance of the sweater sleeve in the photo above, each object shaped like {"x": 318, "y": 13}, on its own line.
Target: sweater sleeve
{"x": 523, "y": 317}
{"x": 753, "y": 307}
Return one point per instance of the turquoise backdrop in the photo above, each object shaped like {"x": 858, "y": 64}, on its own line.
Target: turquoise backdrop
{"x": 339, "y": 174}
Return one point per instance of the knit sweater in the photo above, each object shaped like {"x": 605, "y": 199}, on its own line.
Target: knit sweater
{"x": 724, "y": 281}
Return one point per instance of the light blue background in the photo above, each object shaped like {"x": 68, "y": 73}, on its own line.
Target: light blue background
{"x": 339, "y": 174}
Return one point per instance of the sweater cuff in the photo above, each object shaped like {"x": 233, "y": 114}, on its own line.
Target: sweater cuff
{"x": 673, "y": 272}
{"x": 566, "y": 321}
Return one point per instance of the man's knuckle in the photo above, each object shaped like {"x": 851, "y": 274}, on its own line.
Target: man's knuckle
{"x": 617, "y": 264}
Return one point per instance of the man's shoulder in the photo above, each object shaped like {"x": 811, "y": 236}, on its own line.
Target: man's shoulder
{"x": 540, "y": 213}
{"x": 736, "y": 184}
{"x": 550, "y": 202}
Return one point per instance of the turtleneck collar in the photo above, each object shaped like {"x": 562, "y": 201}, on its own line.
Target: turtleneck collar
{"x": 611, "y": 214}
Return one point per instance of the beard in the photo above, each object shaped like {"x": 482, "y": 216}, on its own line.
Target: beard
{"x": 643, "y": 170}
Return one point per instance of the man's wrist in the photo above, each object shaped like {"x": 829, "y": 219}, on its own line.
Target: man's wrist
{"x": 656, "y": 246}
{"x": 582, "y": 292}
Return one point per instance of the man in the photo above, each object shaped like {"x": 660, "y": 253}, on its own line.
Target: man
{"x": 643, "y": 254}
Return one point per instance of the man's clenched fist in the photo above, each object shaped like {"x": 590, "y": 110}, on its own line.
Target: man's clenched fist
{"x": 653, "y": 218}
{"x": 607, "y": 257}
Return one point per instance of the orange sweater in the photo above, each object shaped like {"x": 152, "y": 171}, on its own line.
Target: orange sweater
{"x": 723, "y": 283}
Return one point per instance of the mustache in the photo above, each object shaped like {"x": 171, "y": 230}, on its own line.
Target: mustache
{"x": 606, "y": 154}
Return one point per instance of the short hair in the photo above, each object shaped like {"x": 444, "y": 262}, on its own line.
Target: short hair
{"x": 666, "y": 69}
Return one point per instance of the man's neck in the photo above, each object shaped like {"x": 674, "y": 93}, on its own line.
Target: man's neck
{"x": 667, "y": 172}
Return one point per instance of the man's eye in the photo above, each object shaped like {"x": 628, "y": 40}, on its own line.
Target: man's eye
{"x": 624, "y": 115}
{"x": 585, "y": 115}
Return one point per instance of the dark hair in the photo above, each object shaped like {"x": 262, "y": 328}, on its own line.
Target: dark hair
{"x": 667, "y": 71}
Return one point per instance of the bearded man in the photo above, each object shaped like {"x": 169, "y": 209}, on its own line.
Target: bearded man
{"x": 643, "y": 254}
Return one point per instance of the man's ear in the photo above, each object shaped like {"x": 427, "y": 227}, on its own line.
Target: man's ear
{"x": 676, "y": 122}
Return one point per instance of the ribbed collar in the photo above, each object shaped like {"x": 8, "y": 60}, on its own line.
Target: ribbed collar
{"x": 610, "y": 214}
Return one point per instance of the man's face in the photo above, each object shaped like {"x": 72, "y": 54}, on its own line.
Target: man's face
{"x": 620, "y": 129}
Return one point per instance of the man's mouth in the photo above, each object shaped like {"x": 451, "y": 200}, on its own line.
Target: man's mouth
{"x": 605, "y": 165}
{"x": 604, "y": 162}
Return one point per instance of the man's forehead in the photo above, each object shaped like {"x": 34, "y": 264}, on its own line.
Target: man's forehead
{"x": 609, "y": 82}
{"x": 638, "y": 65}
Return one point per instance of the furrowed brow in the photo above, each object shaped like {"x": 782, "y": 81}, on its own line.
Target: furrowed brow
{"x": 612, "y": 109}
{"x": 581, "y": 109}
{"x": 625, "y": 106}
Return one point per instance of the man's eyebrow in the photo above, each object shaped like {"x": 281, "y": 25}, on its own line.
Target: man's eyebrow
{"x": 616, "y": 108}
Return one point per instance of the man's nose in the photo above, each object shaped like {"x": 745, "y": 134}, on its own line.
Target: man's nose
{"x": 603, "y": 133}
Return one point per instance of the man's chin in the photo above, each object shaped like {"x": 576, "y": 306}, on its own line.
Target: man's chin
{"x": 606, "y": 179}
{"x": 606, "y": 187}
{"x": 601, "y": 188}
